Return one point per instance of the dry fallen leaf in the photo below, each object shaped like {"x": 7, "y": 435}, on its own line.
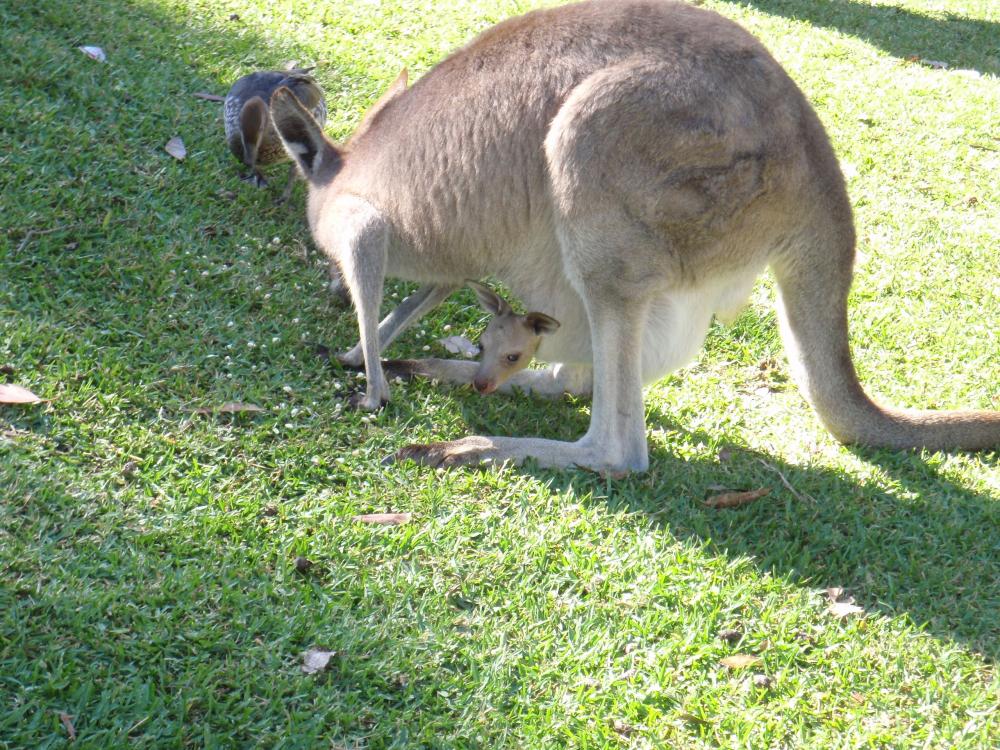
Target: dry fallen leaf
{"x": 738, "y": 661}
{"x": 459, "y": 345}
{"x": 383, "y": 519}
{"x": 67, "y": 722}
{"x": 839, "y": 608}
{"x": 94, "y": 53}
{"x": 175, "y": 147}
{"x": 623, "y": 728}
{"x": 231, "y": 407}
{"x": 316, "y": 660}
{"x": 736, "y": 499}
{"x": 15, "y": 394}
{"x": 844, "y": 609}
{"x": 208, "y": 97}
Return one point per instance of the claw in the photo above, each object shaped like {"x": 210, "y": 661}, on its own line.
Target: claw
{"x": 350, "y": 364}
{"x": 359, "y": 402}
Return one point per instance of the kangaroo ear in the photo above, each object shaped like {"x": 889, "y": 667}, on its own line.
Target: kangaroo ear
{"x": 303, "y": 138}
{"x": 540, "y": 323}
{"x": 489, "y": 300}
{"x": 399, "y": 85}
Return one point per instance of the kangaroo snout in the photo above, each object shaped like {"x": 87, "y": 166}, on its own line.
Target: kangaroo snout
{"x": 483, "y": 386}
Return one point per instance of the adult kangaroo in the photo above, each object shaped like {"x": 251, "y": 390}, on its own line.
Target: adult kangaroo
{"x": 628, "y": 168}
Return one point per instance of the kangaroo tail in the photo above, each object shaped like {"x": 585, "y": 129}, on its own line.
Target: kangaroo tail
{"x": 814, "y": 286}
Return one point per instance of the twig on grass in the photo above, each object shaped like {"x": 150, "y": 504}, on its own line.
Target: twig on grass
{"x": 800, "y": 496}
{"x": 32, "y": 233}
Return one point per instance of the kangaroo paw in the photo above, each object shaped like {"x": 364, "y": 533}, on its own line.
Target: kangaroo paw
{"x": 363, "y": 402}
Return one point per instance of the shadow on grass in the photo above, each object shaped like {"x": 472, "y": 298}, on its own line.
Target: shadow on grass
{"x": 960, "y": 42}
{"x": 912, "y": 543}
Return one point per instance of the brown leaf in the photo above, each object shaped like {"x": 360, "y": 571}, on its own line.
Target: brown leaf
{"x": 208, "y": 97}
{"x": 15, "y": 394}
{"x": 738, "y": 661}
{"x": 67, "y": 722}
{"x": 844, "y": 609}
{"x": 383, "y": 519}
{"x": 316, "y": 660}
{"x": 231, "y": 407}
{"x": 736, "y": 499}
{"x": 623, "y": 728}
{"x": 175, "y": 147}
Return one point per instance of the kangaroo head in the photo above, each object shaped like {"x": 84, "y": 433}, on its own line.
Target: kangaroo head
{"x": 509, "y": 341}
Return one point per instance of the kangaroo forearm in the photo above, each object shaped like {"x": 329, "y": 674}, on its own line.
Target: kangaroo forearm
{"x": 410, "y": 310}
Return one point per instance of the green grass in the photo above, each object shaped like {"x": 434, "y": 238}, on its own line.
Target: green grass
{"x": 147, "y": 585}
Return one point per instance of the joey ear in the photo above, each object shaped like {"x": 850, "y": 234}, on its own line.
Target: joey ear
{"x": 541, "y": 323}
{"x": 489, "y": 300}
{"x": 303, "y": 138}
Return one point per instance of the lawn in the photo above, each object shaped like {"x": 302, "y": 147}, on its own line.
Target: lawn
{"x": 149, "y": 592}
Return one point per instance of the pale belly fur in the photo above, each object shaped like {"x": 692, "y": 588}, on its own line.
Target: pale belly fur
{"x": 675, "y": 329}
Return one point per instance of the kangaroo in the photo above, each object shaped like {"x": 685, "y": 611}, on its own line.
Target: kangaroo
{"x": 630, "y": 167}
{"x": 507, "y": 345}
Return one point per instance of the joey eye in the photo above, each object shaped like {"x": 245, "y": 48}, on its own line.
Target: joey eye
{"x": 513, "y": 358}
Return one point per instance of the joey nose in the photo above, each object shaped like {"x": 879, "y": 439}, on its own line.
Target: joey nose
{"x": 483, "y": 386}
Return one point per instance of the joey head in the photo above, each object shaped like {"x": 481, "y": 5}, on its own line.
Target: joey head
{"x": 509, "y": 342}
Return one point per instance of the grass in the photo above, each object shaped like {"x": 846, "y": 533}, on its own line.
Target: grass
{"x": 147, "y": 584}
